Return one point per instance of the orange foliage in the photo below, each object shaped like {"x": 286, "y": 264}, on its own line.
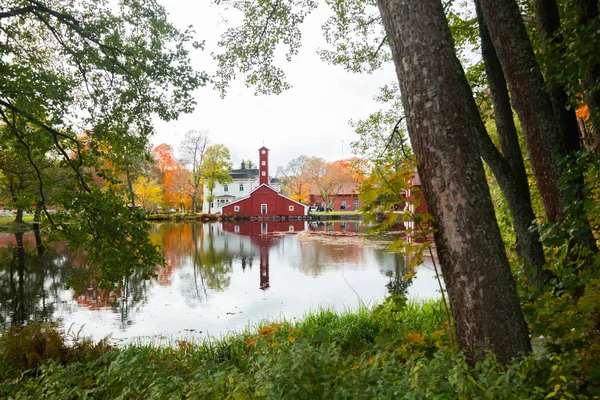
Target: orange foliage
{"x": 354, "y": 166}
{"x": 177, "y": 190}
{"x": 583, "y": 113}
{"x": 163, "y": 154}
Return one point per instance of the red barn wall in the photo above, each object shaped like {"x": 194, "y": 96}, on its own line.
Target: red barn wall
{"x": 277, "y": 205}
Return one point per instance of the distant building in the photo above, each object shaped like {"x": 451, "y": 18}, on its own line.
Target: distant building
{"x": 346, "y": 199}
{"x": 245, "y": 180}
{"x": 265, "y": 200}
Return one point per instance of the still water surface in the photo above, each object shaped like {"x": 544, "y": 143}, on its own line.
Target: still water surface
{"x": 219, "y": 278}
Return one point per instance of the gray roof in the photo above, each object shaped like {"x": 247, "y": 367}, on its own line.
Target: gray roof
{"x": 243, "y": 173}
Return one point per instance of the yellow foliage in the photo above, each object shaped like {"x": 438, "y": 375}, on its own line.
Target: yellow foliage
{"x": 416, "y": 338}
{"x": 147, "y": 192}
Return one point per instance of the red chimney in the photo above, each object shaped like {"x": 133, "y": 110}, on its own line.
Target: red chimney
{"x": 263, "y": 165}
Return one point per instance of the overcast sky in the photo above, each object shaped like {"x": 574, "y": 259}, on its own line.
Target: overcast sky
{"x": 311, "y": 118}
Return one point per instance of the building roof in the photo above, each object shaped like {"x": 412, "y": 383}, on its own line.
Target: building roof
{"x": 268, "y": 187}
{"x": 244, "y": 173}
{"x": 346, "y": 188}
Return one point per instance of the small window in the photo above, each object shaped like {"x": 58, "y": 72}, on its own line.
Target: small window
{"x": 236, "y": 209}
{"x": 241, "y": 187}
{"x": 291, "y": 228}
{"x": 291, "y": 208}
{"x": 343, "y": 205}
{"x": 263, "y": 163}
{"x": 263, "y": 208}
{"x": 263, "y": 152}
{"x": 263, "y": 173}
{"x": 226, "y": 188}
{"x": 236, "y": 228}
{"x": 356, "y": 204}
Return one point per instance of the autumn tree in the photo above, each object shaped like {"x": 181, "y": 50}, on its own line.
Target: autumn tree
{"x": 327, "y": 177}
{"x": 215, "y": 169}
{"x": 178, "y": 188}
{"x": 192, "y": 150}
{"x": 296, "y": 181}
{"x": 147, "y": 192}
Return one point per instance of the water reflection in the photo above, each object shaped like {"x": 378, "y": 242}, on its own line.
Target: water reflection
{"x": 217, "y": 278}
{"x": 30, "y": 279}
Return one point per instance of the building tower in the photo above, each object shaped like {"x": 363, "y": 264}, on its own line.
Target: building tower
{"x": 263, "y": 166}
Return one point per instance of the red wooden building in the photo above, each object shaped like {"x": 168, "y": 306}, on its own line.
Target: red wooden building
{"x": 346, "y": 199}
{"x": 264, "y": 201}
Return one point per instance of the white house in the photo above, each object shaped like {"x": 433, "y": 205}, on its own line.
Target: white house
{"x": 244, "y": 179}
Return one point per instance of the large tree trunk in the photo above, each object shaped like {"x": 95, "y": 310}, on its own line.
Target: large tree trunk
{"x": 515, "y": 187}
{"x": 589, "y": 13}
{"x": 442, "y": 121}
{"x": 548, "y": 22}
{"x": 545, "y": 132}
{"x": 532, "y": 103}
{"x": 19, "y": 216}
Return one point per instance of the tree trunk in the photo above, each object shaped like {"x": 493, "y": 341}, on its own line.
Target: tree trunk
{"x": 442, "y": 121}
{"x": 548, "y": 22}
{"x": 541, "y": 128}
{"x": 515, "y": 186}
{"x": 193, "y": 210}
{"x": 545, "y": 134}
{"x": 130, "y": 186}
{"x": 589, "y": 12}
{"x": 19, "y": 217}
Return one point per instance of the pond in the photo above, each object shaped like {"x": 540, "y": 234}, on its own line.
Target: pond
{"x": 219, "y": 278}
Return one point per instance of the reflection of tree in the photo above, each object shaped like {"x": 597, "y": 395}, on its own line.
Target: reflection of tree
{"x": 30, "y": 279}
{"x": 216, "y": 263}
{"x": 395, "y": 269}
{"x": 33, "y": 278}
{"x": 206, "y": 250}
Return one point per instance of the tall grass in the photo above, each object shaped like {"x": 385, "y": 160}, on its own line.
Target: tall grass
{"x": 385, "y": 351}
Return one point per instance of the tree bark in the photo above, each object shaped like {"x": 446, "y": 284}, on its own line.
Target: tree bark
{"x": 442, "y": 121}
{"x": 545, "y": 133}
{"x": 530, "y": 100}
{"x": 130, "y": 186}
{"x": 514, "y": 185}
{"x": 548, "y": 23}
{"x": 589, "y": 12}
{"x": 19, "y": 216}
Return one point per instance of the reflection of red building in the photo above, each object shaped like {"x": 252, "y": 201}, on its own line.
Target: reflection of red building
{"x": 264, "y": 201}
{"x": 265, "y": 235}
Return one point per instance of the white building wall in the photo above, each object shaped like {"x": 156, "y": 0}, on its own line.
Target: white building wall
{"x": 222, "y": 197}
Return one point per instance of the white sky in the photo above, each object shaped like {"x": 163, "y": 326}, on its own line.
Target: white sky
{"x": 311, "y": 118}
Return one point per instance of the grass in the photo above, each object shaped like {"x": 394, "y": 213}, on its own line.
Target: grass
{"x": 395, "y": 350}
{"x": 7, "y": 224}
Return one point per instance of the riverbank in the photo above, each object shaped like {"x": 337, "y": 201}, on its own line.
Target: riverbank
{"x": 7, "y": 224}
{"x": 313, "y": 216}
{"x": 390, "y": 351}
